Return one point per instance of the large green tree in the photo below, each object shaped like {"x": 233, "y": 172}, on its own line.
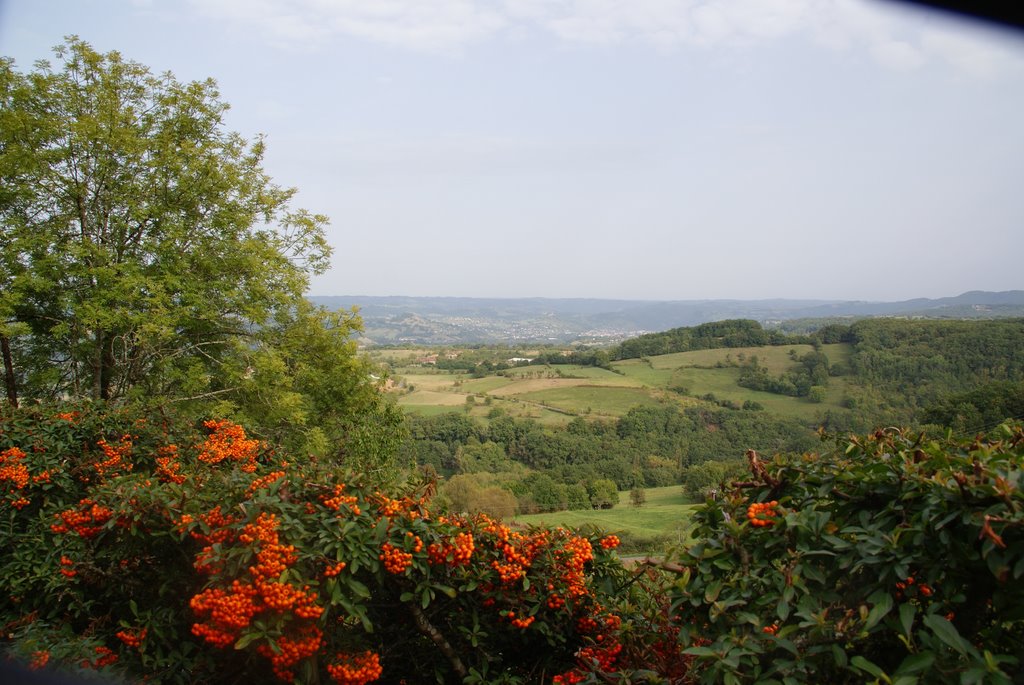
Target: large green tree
{"x": 145, "y": 253}
{"x": 139, "y": 235}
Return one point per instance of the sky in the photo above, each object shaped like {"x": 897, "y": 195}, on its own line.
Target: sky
{"x": 640, "y": 149}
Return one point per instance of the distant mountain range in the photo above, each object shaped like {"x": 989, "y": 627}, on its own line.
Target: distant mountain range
{"x": 468, "y": 320}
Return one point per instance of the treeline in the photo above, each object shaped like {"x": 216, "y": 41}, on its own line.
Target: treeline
{"x": 707, "y": 336}
{"x": 547, "y": 469}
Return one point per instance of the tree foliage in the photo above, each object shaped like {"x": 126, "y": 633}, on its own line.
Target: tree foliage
{"x": 139, "y": 236}
{"x": 145, "y": 255}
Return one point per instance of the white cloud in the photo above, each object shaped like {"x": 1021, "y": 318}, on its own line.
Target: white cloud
{"x": 424, "y": 25}
{"x": 892, "y": 35}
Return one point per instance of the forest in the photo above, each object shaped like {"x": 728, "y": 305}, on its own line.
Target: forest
{"x": 204, "y": 480}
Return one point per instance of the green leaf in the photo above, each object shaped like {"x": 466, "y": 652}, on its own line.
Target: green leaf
{"x": 946, "y": 632}
{"x": 245, "y": 640}
{"x": 915, "y": 663}
{"x": 446, "y": 590}
{"x": 878, "y": 611}
{"x": 358, "y": 588}
{"x": 862, "y": 664}
{"x": 907, "y": 611}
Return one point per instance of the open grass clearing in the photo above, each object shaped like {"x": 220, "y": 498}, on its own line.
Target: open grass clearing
{"x": 641, "y": 371}
{"x": 585, "y": 399}
{"x": 432, "y": 397}
{"x": 663, "y": 520}
{"x": 484, "y": 385}
{"x": 430, "y": 381}
{"x": 531, "y": 385}
{"x": 775, "y": 358}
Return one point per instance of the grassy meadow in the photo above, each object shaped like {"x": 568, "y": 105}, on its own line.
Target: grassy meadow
{"x": 553, "y": 395}
{"x": 663, "y": 520}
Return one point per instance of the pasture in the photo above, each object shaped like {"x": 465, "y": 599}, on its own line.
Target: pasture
{"x": 554, "y": 394}
{"x": 663, "y": 520}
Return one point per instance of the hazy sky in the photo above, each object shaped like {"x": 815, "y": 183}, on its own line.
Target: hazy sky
{"x": 639, "y": 149}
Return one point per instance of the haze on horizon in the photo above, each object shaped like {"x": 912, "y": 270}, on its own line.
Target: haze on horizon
{"x": 649, "y": 150}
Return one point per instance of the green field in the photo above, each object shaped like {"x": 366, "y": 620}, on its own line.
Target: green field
{"x": 596, "y": 399}
{"x": 554, "y": 394}
{"x": 663, "y": 519}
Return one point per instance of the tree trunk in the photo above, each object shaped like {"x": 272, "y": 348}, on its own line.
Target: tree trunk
{"x": 12, "y": 388}
{"x": 97, "y": 365}
{"x": 106, "y": 367}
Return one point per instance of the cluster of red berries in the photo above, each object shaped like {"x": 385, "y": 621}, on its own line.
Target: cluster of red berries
{"x": 65, "y": 567}
{"x": 610, "y": 542}
{"x": 87, "y": 520}
{"x": 132, "y": 638}
{"x": 228, "y": 612}
{"x": 228, "y": 442}
{"x": 168, "y": 468}
{"x": 39, "y": 659}
{"x": 521, "y": 622}
{"x": 104, "y": 657}
{"x": 922, "y": 589}
{"x": 763, "y": 514}
{"x": 338, "y": 498}
{"x": 395, "y": 559}
{"x": 355, "y": 669}
{"x": 292, "y": 650}
{"x": 456, "y": 553}
{"x": 264, "y": 482}
{"x": 334, "y": 569}
{"x": 116, "y": 456}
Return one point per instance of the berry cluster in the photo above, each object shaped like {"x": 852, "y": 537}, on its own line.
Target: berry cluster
{"x": 763, "y": 514}
{"x": 395, "y": 559}
{"x": 116, "y": 456}
{"x": 228, "y": 612}
{"x": 228, "y": 442}
{"x": 132, "y": 638}
{"x": 87, "y": 520}
{"x": 355, "y": 669}
{"x": 338, "y": 498}
{"x": 264, "y": 482}
{"x": 168, "y": 468}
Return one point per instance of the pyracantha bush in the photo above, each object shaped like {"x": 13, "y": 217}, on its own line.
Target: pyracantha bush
{"x": 892, "y": 558}
{"x": 194, "y": 553}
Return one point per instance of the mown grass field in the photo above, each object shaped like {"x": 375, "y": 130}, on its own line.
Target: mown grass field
{"x": 661, "y": 521}
{"x": 593, "y": 399}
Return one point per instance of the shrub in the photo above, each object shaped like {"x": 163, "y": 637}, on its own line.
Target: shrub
{"x": 895, "y": 558}
{"x": 178, "y": 553}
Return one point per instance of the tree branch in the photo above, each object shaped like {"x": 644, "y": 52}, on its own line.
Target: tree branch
{"x": 438, "y": 639}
